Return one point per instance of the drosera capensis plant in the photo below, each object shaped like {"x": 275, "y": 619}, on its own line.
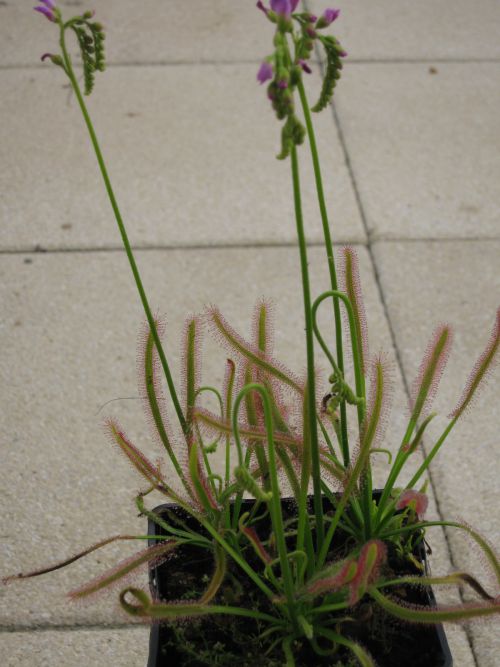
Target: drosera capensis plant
{"x": 278, "y": 437}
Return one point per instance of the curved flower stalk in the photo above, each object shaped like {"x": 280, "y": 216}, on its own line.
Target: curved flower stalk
{"x": 279, "y": 437}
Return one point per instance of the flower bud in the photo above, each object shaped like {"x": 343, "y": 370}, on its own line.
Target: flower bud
{"x": 328, "y": 17}
{"x": 265, "y": 72}
{"x": 305, "y": 66}
{"x": 57, "y": 60}
{"x": 46, "y": 12}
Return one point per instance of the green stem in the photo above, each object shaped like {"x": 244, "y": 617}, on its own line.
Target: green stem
{"x": 121, "y": 226}
{"x": 358, "y": 373}
{"x": 315, "y": 458}
{"x": 385, "y": 512}
{"x": 344, "y": 444}
{"x": 432, "y": 454}
{"x": 274, "y": 503}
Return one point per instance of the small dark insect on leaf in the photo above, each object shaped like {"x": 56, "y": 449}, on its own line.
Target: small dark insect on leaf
{"x": 324, "y": 401}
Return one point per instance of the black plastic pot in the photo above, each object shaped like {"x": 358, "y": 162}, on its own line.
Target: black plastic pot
{"x": 435, "y": 638}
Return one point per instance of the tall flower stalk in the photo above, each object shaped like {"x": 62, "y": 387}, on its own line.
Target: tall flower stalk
{"x": 304, "y": 578}
{"x": 90, "y": 36}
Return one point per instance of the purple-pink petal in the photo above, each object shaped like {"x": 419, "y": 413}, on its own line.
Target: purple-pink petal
{"x": 49, "y": 3}
{"x": 46, "y": 12}
{"x": 305, "y": 66}
{"x": 265, "y": 72}
{"x": 330, "y": 15}
{"x": 284, "y": 7}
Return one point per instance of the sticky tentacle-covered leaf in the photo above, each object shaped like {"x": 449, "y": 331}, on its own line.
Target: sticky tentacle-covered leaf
{"x": 218, "y": 576}
{"x": 143, "y": 606}
{"x": 439, "y": 614}
{"x": 138, "y": 460}
{"x": 480, "y": 371}
{"x": 248, "y": 351}
{"x": 123, "y": 568}
{"x": 352, "y": 287}
{"x": 149, "y": 382}
{"x": 72, "y": 559}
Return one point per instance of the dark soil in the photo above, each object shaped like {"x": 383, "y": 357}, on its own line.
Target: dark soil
{"x": 228, "y": 641}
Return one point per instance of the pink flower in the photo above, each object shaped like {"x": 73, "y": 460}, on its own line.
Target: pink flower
{"x": 46, "y": 8}
{"x": 414, "y": 499}
{"x": 265, "y": 72}
{"x": 46, "y": 12}
{"x": 284, "y": 7}
{"x": 328, "y": 17}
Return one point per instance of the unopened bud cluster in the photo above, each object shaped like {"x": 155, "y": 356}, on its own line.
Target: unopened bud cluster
{"x": 91, "y": 38}
{"x": 284, "y": 69}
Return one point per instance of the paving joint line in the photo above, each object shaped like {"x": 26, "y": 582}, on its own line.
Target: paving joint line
{"x": 93, "y": 627}
{"x": 256, "y": 61}
{"x": 399, "y": 360}
{"x": 247, "y": 246}
{"x": 418, "y": 61}
{"x": 375, "y": 238}
{"x": 138, "y": 248}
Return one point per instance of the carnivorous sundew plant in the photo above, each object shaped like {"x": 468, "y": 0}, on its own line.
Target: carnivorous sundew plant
{"x": 302, "y": 584}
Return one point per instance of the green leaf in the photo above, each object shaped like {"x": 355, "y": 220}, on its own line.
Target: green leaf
{"x": 150, "y": 383}
{"x": 200, "y": 485}
{"x": 248, "y": 482}
{"x": 350, "y": 273}
{"x": 143, "y": 606}
{"x": 140, "y": 462}
{"x": 432, "y": 366}
{"x": 254, "y": 356}
{"x": 72, "y": 559}
{"x": 123, "y": 568}
{"x": 480, "y": 370}
{"x": 218, "y": 576}
{"x": 435, "y": 614}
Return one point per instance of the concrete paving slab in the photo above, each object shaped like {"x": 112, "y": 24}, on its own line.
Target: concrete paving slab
{"x": 402, "y": 29}
{"x": 199, "y": 30}
{"x": 190, "y": 150}
{"x": 68, "y": 347}
{"x": 127, "y": 647}
{"x": 424, "y": 148}
{"x": 149, "y": 31}
{"x": 458, "y": 282}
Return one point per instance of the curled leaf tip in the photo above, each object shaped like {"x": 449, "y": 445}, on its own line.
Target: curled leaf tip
{"x": 415, "y": 500}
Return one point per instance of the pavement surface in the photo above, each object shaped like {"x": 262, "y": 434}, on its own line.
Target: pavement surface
{"x": 411, "y": 157}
